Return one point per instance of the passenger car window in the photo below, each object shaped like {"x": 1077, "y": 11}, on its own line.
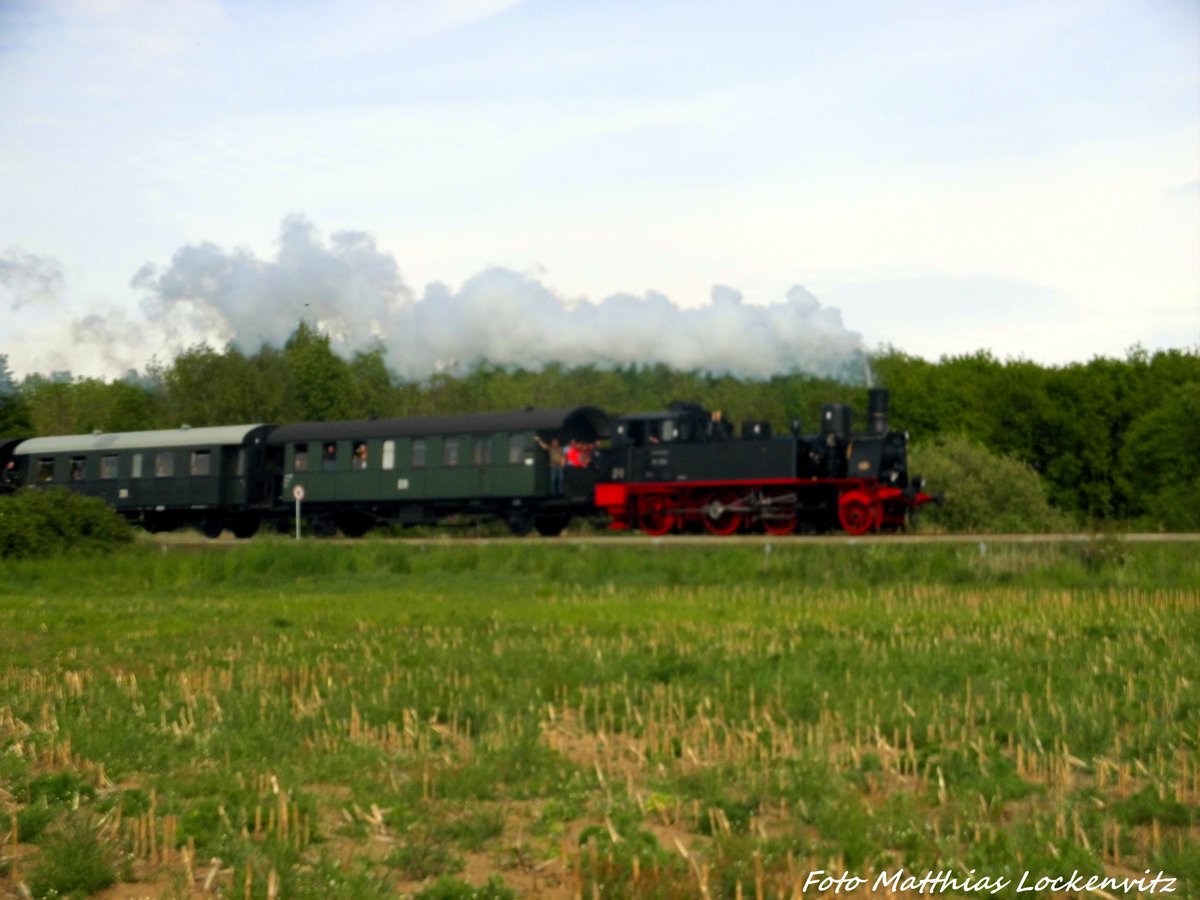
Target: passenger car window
{"x": 358, "y": 460}
{"x": 389, "y": 454}
{"x": 108, "y": 467}
{"x": 201, "y": 462}
{"x": 45, "y": 471}
{"x": 483, "y": 451}
{"x": 450, "y": 452}
{"x": 516, "y": 449}
{"x": 164, "y": 464}
{"x": 77, "y": 463}
{"x": 300, "y": 458}
{"x": 329, "y": 458}
{"x": 419, "y": 453}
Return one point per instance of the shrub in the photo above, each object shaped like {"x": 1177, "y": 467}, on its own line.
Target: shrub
{"x": 74, "y": 862}
{"x": 46, "y": 523}
{"x": 984, "y": 491}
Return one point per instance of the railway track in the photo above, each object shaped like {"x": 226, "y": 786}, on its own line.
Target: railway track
{"x": 226, "y": 541}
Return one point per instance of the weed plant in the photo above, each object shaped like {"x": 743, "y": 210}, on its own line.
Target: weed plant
{"x": 554, "y": 720}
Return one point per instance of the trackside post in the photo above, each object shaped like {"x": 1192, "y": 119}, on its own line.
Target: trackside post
{"x": 298, "y": 493}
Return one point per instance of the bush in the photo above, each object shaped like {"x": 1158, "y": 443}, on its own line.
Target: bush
{"x": 46, "y": 523}
{"x": 75, "y": 862}
{"x": 984, "y": 491}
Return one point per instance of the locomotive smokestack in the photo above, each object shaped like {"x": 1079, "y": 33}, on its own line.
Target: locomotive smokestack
{"x": 877, "y": 410}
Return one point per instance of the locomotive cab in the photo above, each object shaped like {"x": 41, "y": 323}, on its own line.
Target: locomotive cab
{"x": 682, "y": 423}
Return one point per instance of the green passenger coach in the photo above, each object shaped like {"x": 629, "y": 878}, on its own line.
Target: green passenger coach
{"x": 355, "y": 474}
{"x": 212, "y": 478}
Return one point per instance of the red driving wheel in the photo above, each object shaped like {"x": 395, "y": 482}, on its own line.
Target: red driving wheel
{"x": 654, "y": 514}
{"x": 857, "y": 513}
{"x": 779, "y": 517}
{"x": 719, "y": 515}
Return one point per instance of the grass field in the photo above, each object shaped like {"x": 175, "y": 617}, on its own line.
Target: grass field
{"x": 472, "y": 720}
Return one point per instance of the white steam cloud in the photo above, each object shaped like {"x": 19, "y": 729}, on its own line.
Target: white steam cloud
{"x": 355, "y": 292}
{"x": 350, "y": 289}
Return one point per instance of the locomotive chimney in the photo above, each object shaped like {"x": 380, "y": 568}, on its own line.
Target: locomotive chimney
{"x": 877, "y": 410}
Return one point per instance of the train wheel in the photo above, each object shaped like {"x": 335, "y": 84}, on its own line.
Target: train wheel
{"x": 550, "y": 526}
{"x": 322, "y": 527}
{"x": 244, "y": 528}
{"x": 353, "y": 526}
{"x": 856, "y": 513}
{"x": 519, "y": 523}
{"x": 779, "y": 518}
{"x": 211, "y": 528}
{"x": 655, "y": 516}
{"x": 720, "y": 516}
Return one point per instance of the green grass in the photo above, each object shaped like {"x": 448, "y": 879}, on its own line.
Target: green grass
{"x": 379, "y": 718}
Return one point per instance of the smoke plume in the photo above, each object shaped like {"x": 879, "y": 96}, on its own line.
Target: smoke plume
{"x": 27, "y": 280}
{"x": 354, "y": 292}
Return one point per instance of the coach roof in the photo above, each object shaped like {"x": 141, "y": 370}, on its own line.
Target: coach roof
{"x": 224, "y": 435}
{"x": 585, "y": 423}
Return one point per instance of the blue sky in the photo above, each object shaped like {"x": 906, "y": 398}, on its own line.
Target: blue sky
{"x": 949, "y": 177}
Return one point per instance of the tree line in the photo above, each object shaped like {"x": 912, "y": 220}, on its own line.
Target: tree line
{"x": 1106, "y": 441}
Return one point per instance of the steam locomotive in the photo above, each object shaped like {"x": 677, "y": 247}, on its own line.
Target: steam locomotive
{"x": 682, "y": 469}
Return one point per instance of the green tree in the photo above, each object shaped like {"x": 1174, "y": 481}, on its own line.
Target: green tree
{"x": 377, "y": 395}
{"x": 322, "y": 382}
{"x": 14, "y": 411}
{"x": 205, "y": 387}
{"x": 1160, "y": 462}
{"x": 63, "y": 405}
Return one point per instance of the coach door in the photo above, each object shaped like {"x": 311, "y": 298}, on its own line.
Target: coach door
{"x": 232, "y": 476}
{"x": 483, "y": 461}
